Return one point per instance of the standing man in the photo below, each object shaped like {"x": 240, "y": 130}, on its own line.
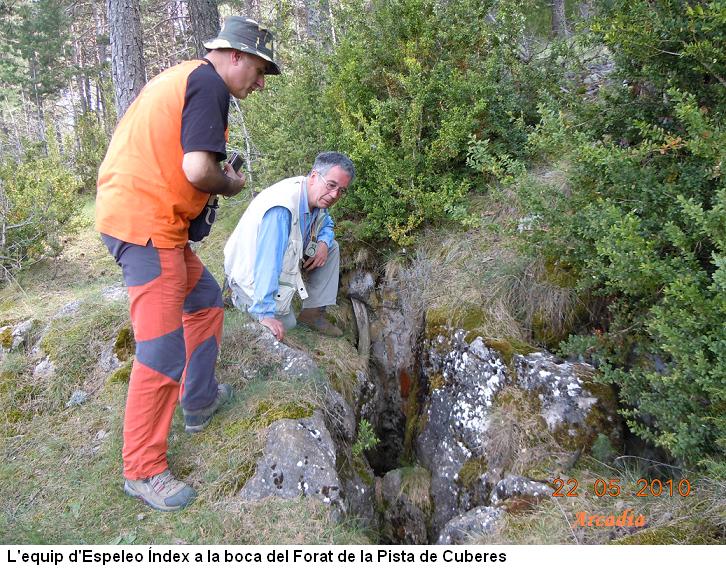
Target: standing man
{"x": 287, "y": 230}
{"x": 160, "y": 169}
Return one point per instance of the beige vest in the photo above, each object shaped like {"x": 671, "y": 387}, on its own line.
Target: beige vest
{"x": 240, "y": 251}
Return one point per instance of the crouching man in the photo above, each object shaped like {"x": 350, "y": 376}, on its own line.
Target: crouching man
{"x": 284, "y": 244}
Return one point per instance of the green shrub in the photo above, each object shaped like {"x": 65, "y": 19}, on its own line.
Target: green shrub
{"x": 643, "y": 224}
{"x": 38, "y": 196}
{"x": 366, "y": 438}
{"x": 88, "y": 149}
{"x": 426, "y": 117}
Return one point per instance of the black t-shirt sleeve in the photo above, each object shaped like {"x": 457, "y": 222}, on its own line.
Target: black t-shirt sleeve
{"x": 204, "y": 118}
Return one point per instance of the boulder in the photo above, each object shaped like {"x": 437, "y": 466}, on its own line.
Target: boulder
{"x": 463, "y": 380}
{"x": 569, "y": 406}
{"x": 299, "y": 460}
{"x": 479, "y": 521}
{"x": 292, "y": 362}
{"x": 483, "y": 424}
{"x": 518, "y": 493}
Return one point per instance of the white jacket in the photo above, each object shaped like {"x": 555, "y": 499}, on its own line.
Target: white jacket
{"x": 241, "y": 248}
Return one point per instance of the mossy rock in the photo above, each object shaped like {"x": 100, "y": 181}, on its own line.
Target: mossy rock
{"x": 124, "y": 346}
{"x": 364, "y": 471}
{"x": 267, "y": 412}
{"x": 603, "y": 419}
{"x": 6, "y": 337}
{"x": 121, "y": 375}
{"x": 508, "y": 348}
{"x": 440, "y": 321}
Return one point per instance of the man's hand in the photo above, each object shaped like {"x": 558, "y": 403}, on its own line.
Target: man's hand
{"x": 275, "y": 326}
{"x": 238, "y": 177}
{"x": 320, "y": 258}
{"x": 204, "y": 173}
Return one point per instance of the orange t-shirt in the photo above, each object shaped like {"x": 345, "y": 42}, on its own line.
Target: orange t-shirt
{"x": 142, "y": 190}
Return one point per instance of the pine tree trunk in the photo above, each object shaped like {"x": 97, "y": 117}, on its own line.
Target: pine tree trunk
{"x": 204, "y": 17}
{"x": 559, "y": 21}
{"x": 128, "y": 69}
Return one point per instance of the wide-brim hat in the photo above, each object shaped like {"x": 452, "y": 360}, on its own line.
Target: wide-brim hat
{"x": 244, "y": 34}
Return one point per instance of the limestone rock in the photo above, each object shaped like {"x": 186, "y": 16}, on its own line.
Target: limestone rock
{"x": 14, "y": 337}
{"x": 360, "y": 494}
{"x": 361, "y": 285}
{"x": 519, "y": 492}
{"x": 468, "y": 375}
{"x": 339, "y": 417}
{"x": 293, "y": 362}
{"x": 44, "y": 370}
{"x": 299, "y": 460}
{"x": 461, "y": 529}
{"x": 569, "y": 408}
{"x": 465, "y": 440}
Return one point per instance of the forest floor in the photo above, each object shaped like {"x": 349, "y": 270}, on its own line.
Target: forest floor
{"x": 61, "y": 468}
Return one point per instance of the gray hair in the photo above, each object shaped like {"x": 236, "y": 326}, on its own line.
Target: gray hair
{"x": 325, "y": 161}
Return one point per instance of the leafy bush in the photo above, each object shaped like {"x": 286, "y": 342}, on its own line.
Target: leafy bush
{"x": 38, "y": 196}
{"x": 643, "y": 226}
{"x": 430, "y": 99}
{"x": 366, "y": 438}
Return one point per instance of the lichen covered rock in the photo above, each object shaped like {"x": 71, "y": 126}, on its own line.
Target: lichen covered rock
{"x": 479, "y": 521}
{"x": 569, "y": 406}
{"x": 476, "y": 444}
{"x": 519, "y": 492}
{"x": 457, "y": 416}
{"x": 299, "y": 460}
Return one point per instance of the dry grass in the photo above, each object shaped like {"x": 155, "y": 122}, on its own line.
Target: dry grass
{"x": 698, "y": 518}
{"x": 479, "y": 280}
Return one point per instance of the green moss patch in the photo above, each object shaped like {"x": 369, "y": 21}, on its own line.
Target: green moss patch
{"x": 125, "y": 345}
{"x": 122, "y": 374}
{"x": 472, "y": 470}
{"x": 6, "y": 337}
{"x": 268, "y": 412}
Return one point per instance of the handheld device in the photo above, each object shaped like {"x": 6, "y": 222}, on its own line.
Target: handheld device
{"x": 236, "y": 161}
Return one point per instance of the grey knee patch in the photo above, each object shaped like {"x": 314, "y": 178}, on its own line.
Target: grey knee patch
{"x": 206, "y": 294}
{"x": 165, "y": 354}
{"x": 200, "y": 386}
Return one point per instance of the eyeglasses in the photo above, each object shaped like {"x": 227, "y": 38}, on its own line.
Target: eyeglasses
{"x": 332, "y": 186}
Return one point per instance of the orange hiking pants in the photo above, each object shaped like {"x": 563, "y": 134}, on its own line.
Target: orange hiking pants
{"x": 177, "y": 316}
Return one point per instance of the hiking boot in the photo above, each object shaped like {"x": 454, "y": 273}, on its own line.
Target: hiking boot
{"x": 162, "y": 492}
{"x": 314, "y": 318}
{"x": 197, "y": 420}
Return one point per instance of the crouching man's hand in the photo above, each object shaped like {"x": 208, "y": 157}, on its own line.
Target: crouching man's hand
{"x": 319, "y": 259}
{"x": 275, "y": 326}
